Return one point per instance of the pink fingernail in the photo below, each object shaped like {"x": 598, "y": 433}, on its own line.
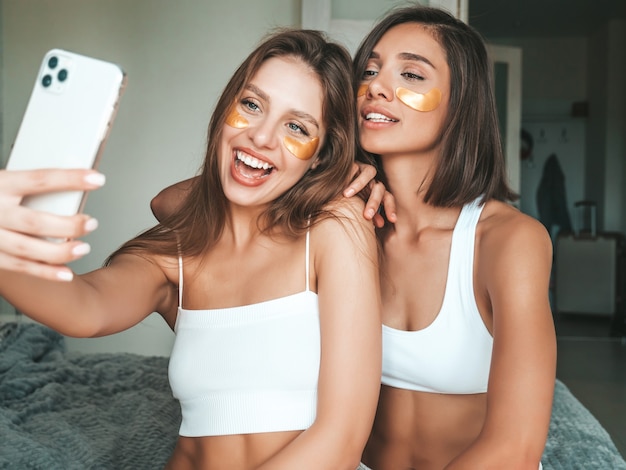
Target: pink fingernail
{"x": 97, "y": 179}
{"x": 65, "y": 275}
{"x": 91, "y": 225}
{"x": 81, "y": 249}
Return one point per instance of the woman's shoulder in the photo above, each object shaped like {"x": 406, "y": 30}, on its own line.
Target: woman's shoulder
{"x": 498, "y": 215}
{"x": 341, "y": 212}
{"x": 145, "y": 260}
{"x": 502, "y": 226}
{"x": 344, "y": 220}
{"x": 350, "y": 207}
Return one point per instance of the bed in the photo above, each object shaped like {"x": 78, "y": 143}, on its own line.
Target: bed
{"x": 62, "y": 410}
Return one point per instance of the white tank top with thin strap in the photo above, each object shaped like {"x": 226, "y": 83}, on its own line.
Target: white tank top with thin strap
{"x": 247, "y": 369}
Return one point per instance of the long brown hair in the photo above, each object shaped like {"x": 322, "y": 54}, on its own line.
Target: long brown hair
{"x": 200, "y": 221}
{"x": 471, "y": 163}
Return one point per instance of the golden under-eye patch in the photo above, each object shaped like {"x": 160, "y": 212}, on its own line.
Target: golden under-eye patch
{"x": 418, "y": 101}
{"x": 362, "y": 90}
{"x": 301, "y": 150}
{"x": 236, "y": 120}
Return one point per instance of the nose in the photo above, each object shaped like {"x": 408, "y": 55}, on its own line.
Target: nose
{"x": 264, "y": 134}
{"x": 379, "y": 88}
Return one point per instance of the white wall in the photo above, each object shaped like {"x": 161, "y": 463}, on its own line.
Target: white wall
{"x": 362, "y": 9}
{"x": 347, "y": 21}
{"x": 178, "y": 56}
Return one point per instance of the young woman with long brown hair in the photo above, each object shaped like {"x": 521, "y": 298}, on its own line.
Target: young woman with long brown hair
{"x": 268, "y": 277}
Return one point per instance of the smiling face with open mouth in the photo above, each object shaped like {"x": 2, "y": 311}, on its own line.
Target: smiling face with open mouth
{"x": 273, "y": 132}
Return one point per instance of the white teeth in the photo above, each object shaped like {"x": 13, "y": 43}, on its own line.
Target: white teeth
{"x": 377, "y": 117}
{"x": 251, "y": 161}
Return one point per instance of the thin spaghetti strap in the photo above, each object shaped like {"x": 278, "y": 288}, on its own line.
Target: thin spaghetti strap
{"x": 306, "y": 264}
{"x": 180, "y": 281}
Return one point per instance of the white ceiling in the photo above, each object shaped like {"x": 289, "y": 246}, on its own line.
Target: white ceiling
{"x": 542, "y": 18}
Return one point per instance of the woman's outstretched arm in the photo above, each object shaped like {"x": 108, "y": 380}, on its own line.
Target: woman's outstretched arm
{"x": 105, "y": 301}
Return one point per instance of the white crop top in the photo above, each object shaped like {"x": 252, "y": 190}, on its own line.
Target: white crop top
{"x": 453, "y": 354}
{"x": 247, "y": 369}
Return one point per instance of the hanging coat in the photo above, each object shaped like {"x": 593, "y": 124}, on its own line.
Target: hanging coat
{"x": 551, "y": 200}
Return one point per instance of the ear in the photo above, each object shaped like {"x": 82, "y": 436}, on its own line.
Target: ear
{"x": 315, "y": 164}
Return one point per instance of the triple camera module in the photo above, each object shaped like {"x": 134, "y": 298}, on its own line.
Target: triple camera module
{"x": 61, "y": 75}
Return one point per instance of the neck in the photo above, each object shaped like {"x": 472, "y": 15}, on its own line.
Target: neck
{"x": 409, "y": 178}
{"x": 242, "y": 225}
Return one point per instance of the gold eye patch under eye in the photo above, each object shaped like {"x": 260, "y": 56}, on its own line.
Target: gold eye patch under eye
{"x": 236, "y": 120}
{"x": 418, "y": 101}
{"x": 362, "y": 90}
{"x": 301, "y": 150}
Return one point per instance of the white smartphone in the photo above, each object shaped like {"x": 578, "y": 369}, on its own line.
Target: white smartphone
{"x": 67, "y": 122}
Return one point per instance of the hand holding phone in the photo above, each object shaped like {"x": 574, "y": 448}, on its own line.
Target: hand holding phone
{"x": 67, "y": 122}
{"x": 23, "y": 247}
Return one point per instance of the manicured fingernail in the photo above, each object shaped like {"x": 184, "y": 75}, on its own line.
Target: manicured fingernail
{"x": 97, "y": 179}
{"x": 91, "y": 225}
{"x": 65, "y": 275}
{"x": 349, "y": 192}
{"x": 369, "y": 213}
{"x": 81, "y": 249}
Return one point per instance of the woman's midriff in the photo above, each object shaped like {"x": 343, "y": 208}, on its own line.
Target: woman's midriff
{"x": 235, "y": 452}
{"x": 419, "y": 430}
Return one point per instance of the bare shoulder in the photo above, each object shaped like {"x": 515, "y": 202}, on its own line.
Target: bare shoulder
{"x": 346, "y": 213}
{"x": 146, "y": 269}
{"x": 345, "y": 225}
{"x": 504, "y": 230}
{"x": 351, "y": 208}
{"x": 145, "y": 259}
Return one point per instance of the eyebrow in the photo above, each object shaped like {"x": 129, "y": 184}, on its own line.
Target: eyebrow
{"x": 406, "y": 56}
{"x": 299, "y": 114}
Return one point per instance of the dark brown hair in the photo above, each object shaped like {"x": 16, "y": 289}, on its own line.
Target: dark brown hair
{"x": 199, "y": 222}
{"x": 471, "y": 163}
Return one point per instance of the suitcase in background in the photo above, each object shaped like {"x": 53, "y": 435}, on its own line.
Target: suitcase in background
{"x": 589, "y": 270}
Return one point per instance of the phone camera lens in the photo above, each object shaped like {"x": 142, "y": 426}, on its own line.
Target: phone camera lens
{"x": 46, "y": 80}
{"x": 52, "y": 62}
{"x": 62, "y": 75}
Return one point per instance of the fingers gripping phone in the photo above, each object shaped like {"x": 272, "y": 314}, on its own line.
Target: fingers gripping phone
{"x": 67, "y": 122}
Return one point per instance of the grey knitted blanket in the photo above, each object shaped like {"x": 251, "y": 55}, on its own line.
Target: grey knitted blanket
{"x": 67, "y": 411}
{"x": 81, "y": 411}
